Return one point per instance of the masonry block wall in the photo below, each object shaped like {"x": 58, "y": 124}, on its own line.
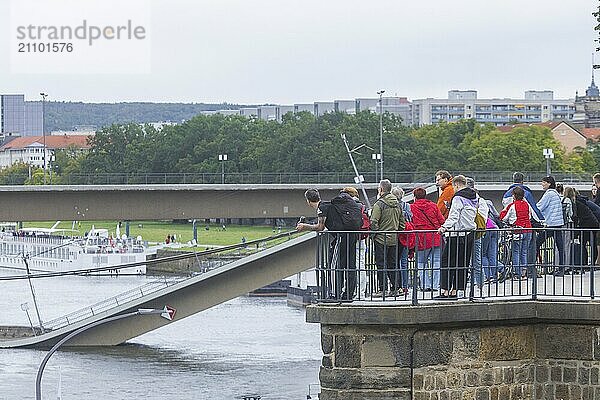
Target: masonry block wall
{"x": 460, "y": 351}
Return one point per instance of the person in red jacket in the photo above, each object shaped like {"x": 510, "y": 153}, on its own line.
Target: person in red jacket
{"x": 427, "y": 217}
{"x": 518, "y": 214}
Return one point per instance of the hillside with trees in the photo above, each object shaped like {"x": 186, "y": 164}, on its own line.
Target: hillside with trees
{"x": 69, "y": 115}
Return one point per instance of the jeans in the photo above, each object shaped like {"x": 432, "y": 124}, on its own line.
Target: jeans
{"x": 403, "y": 255}
{"x": 361, "y": 252}
{"x": 476, "y": 262}
{"x": 489, "y": 255}
{"x": 428, "y": 264}
{"x": 520, "y": 249}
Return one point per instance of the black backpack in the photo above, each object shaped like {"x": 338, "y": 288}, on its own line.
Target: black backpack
{"x": 347, "y": 213}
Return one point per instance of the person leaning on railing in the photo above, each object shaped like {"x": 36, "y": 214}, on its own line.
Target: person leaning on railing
{"x": 342, "y": 247}
{"x": 460, "y": 233}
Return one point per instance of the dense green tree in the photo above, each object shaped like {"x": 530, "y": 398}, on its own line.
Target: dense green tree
{"x": 15, "y": 174}
{"x": 303, "y": 143}
{"x": 522, "y": 148}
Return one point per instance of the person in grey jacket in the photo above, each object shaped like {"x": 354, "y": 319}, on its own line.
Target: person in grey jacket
{"x": 460, "y": 231}
{"x": 551, "y": 207}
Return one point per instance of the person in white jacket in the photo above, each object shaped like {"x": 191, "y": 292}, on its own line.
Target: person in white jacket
{"x": 460, "y": 231}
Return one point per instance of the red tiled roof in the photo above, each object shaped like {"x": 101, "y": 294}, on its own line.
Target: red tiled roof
{"x": 591, "y": 133}
{"x": 52, "y": 142}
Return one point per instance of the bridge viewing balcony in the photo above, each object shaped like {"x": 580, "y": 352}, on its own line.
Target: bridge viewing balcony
{"x": 503, "y": 329}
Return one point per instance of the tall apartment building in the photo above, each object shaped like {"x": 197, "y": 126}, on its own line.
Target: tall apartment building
{"x": 20, "y": 118}
{"x": 536, "y": 106}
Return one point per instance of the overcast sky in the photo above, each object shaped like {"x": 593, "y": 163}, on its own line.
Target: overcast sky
{"x": 293, "y": 51}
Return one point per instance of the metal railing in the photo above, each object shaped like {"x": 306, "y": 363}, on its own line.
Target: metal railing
{"x": 503, "y": 264}
{"x": 204, "y": 262}
{"x": 284, "y": 178}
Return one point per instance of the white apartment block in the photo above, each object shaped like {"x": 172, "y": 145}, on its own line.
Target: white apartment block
{"x": 536, "y": 106}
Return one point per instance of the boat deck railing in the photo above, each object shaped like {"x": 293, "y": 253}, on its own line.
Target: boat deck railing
{"x": 206, "y": 261}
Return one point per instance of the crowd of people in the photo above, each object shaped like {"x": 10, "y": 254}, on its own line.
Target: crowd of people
{"x": 456, "y": 239}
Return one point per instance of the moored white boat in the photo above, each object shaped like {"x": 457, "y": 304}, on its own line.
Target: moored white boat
{"x": 52, "y": 250}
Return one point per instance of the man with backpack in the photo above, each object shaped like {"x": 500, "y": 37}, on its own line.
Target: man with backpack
{"x": 386, "y": 216}
{"x": 342, "y": 213}
{"x": 361, "y": 243}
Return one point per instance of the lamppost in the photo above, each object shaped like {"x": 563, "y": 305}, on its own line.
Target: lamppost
{"x": 140, "y": 311}
{"x": 223, "y": 158}
{"x": 44, "y": 95}
{"x": 376, "y": 157}
{"x": 380, "y": 93}
{"x": 548, "y": 154}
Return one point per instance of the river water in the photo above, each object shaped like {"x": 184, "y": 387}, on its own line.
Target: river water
{"x": 245, "y": 346}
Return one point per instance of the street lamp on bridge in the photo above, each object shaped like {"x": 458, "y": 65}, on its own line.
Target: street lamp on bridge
{"x": 548, "y": 154}
{"x": 222, "y": 158}
{"x": 44, "y": 95}
{"x": 380, "y": 93}
{"x": 376, "y": 157}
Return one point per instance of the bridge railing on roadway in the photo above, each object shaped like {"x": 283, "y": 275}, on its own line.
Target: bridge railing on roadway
{"x": 204, "y": 261}
{"x": 422, "y": 266}
{"x": 281, "y": 178}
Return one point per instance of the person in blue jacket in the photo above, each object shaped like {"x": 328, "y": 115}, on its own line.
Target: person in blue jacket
{"x": 518, "y": 178}
{"x": 507, "y": 198}
{"x": 551, "y": 207}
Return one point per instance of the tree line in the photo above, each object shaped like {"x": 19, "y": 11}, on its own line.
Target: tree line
{"x": 305, "y": 143}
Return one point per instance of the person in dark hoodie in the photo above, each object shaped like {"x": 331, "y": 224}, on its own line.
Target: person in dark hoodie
{"x": 386, "y": 215}
{"x": 588, "y": 216}
{"x": 460, "y": 234}
{"x": 596, "y": 195}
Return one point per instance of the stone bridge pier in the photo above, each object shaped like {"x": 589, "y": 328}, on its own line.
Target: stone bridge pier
{"x": 460, "y": 351}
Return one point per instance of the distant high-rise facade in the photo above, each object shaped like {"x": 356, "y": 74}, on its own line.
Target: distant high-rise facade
{"x": 399, "y": 106}
{"x": 19, "y": 117}
{"x": 536, "y": 106}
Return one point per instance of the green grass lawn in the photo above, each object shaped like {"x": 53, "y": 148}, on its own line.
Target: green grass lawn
{"x": 157, "y": 231}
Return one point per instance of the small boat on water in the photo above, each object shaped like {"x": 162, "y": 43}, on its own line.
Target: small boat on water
{"x": 54, "y": 250}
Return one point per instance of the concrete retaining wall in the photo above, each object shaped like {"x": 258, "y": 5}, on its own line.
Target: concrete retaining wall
{"x": 385, "y": 353}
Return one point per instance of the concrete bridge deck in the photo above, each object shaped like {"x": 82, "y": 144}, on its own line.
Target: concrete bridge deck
{"x": 157, "y": 202}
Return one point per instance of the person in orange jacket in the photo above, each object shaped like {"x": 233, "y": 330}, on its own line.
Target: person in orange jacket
{"x": 443, "y": 180}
